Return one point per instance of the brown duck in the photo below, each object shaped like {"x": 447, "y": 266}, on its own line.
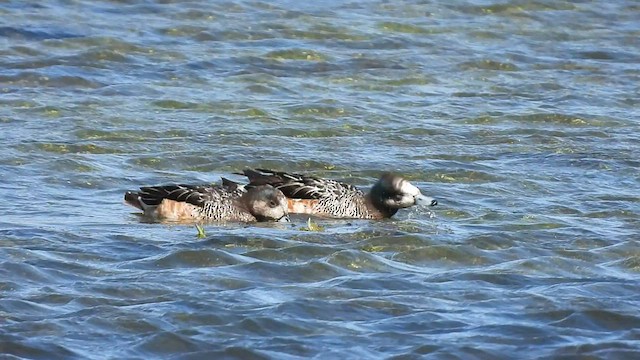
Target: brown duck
{"x": 205, "y": 203}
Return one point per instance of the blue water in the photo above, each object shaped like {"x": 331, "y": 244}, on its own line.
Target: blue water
{"x": 520, "y": 117}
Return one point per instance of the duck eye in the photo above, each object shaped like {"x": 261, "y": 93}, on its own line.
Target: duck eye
{"x": 272, "y": 203}
{"x": 398, "y": 197}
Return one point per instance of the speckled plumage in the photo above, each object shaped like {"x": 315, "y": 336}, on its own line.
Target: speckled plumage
{"x": 331, "y": 198}
{"x": 204, "y": 203}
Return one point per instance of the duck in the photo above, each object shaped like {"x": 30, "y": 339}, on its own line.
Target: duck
{"x": 230, "y": 201}
{"x": 330, "y": 198}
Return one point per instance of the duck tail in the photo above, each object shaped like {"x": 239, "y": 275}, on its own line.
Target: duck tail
{"x": 232, "y": 185}
{"x": 133, "y": 198}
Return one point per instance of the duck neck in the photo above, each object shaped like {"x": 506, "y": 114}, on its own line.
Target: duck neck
{"x": 242, "y": 208}
{"x": 375, "y": 202}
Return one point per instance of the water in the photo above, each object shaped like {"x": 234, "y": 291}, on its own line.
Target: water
{"x": 520, "y": 117}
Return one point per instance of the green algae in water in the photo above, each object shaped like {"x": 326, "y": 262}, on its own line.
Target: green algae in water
{"x": 76, "y": 149}
{"x": 404, "y": 28}
{"x": 324, "y": 111}
{"x": 148, "y": 161}
{"x": 253, "y": 112}
{"x": 50, "y": 111}
{"x": 296, "y": 54}
{"x": 312, "y": 226}
{"x": 488, "y": 64}
{"x": 174, "y": 104}
{"x": 201, "y": 233}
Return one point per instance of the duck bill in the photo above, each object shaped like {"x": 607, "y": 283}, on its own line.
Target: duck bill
{"x": 426, "y": 201}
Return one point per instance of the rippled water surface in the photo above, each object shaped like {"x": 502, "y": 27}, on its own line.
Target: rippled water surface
{"x": 520, "y": 117}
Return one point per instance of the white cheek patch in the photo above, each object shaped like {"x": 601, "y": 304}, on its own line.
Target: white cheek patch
{"x": 408, "y": 189}
{"x": 259, "y": 206}
{"x": 282, "y": 200}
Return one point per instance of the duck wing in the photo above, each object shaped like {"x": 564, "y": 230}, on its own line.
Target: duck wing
{"x": 196, "y": 195}
{"x": 300, "y": 186}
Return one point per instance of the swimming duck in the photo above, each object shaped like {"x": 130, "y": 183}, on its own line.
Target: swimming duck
{"x": 203, "y": 203}
{"x": 325, "y": 197}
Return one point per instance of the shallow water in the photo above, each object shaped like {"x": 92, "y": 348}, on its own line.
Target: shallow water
{"x": 520, "y": 117}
